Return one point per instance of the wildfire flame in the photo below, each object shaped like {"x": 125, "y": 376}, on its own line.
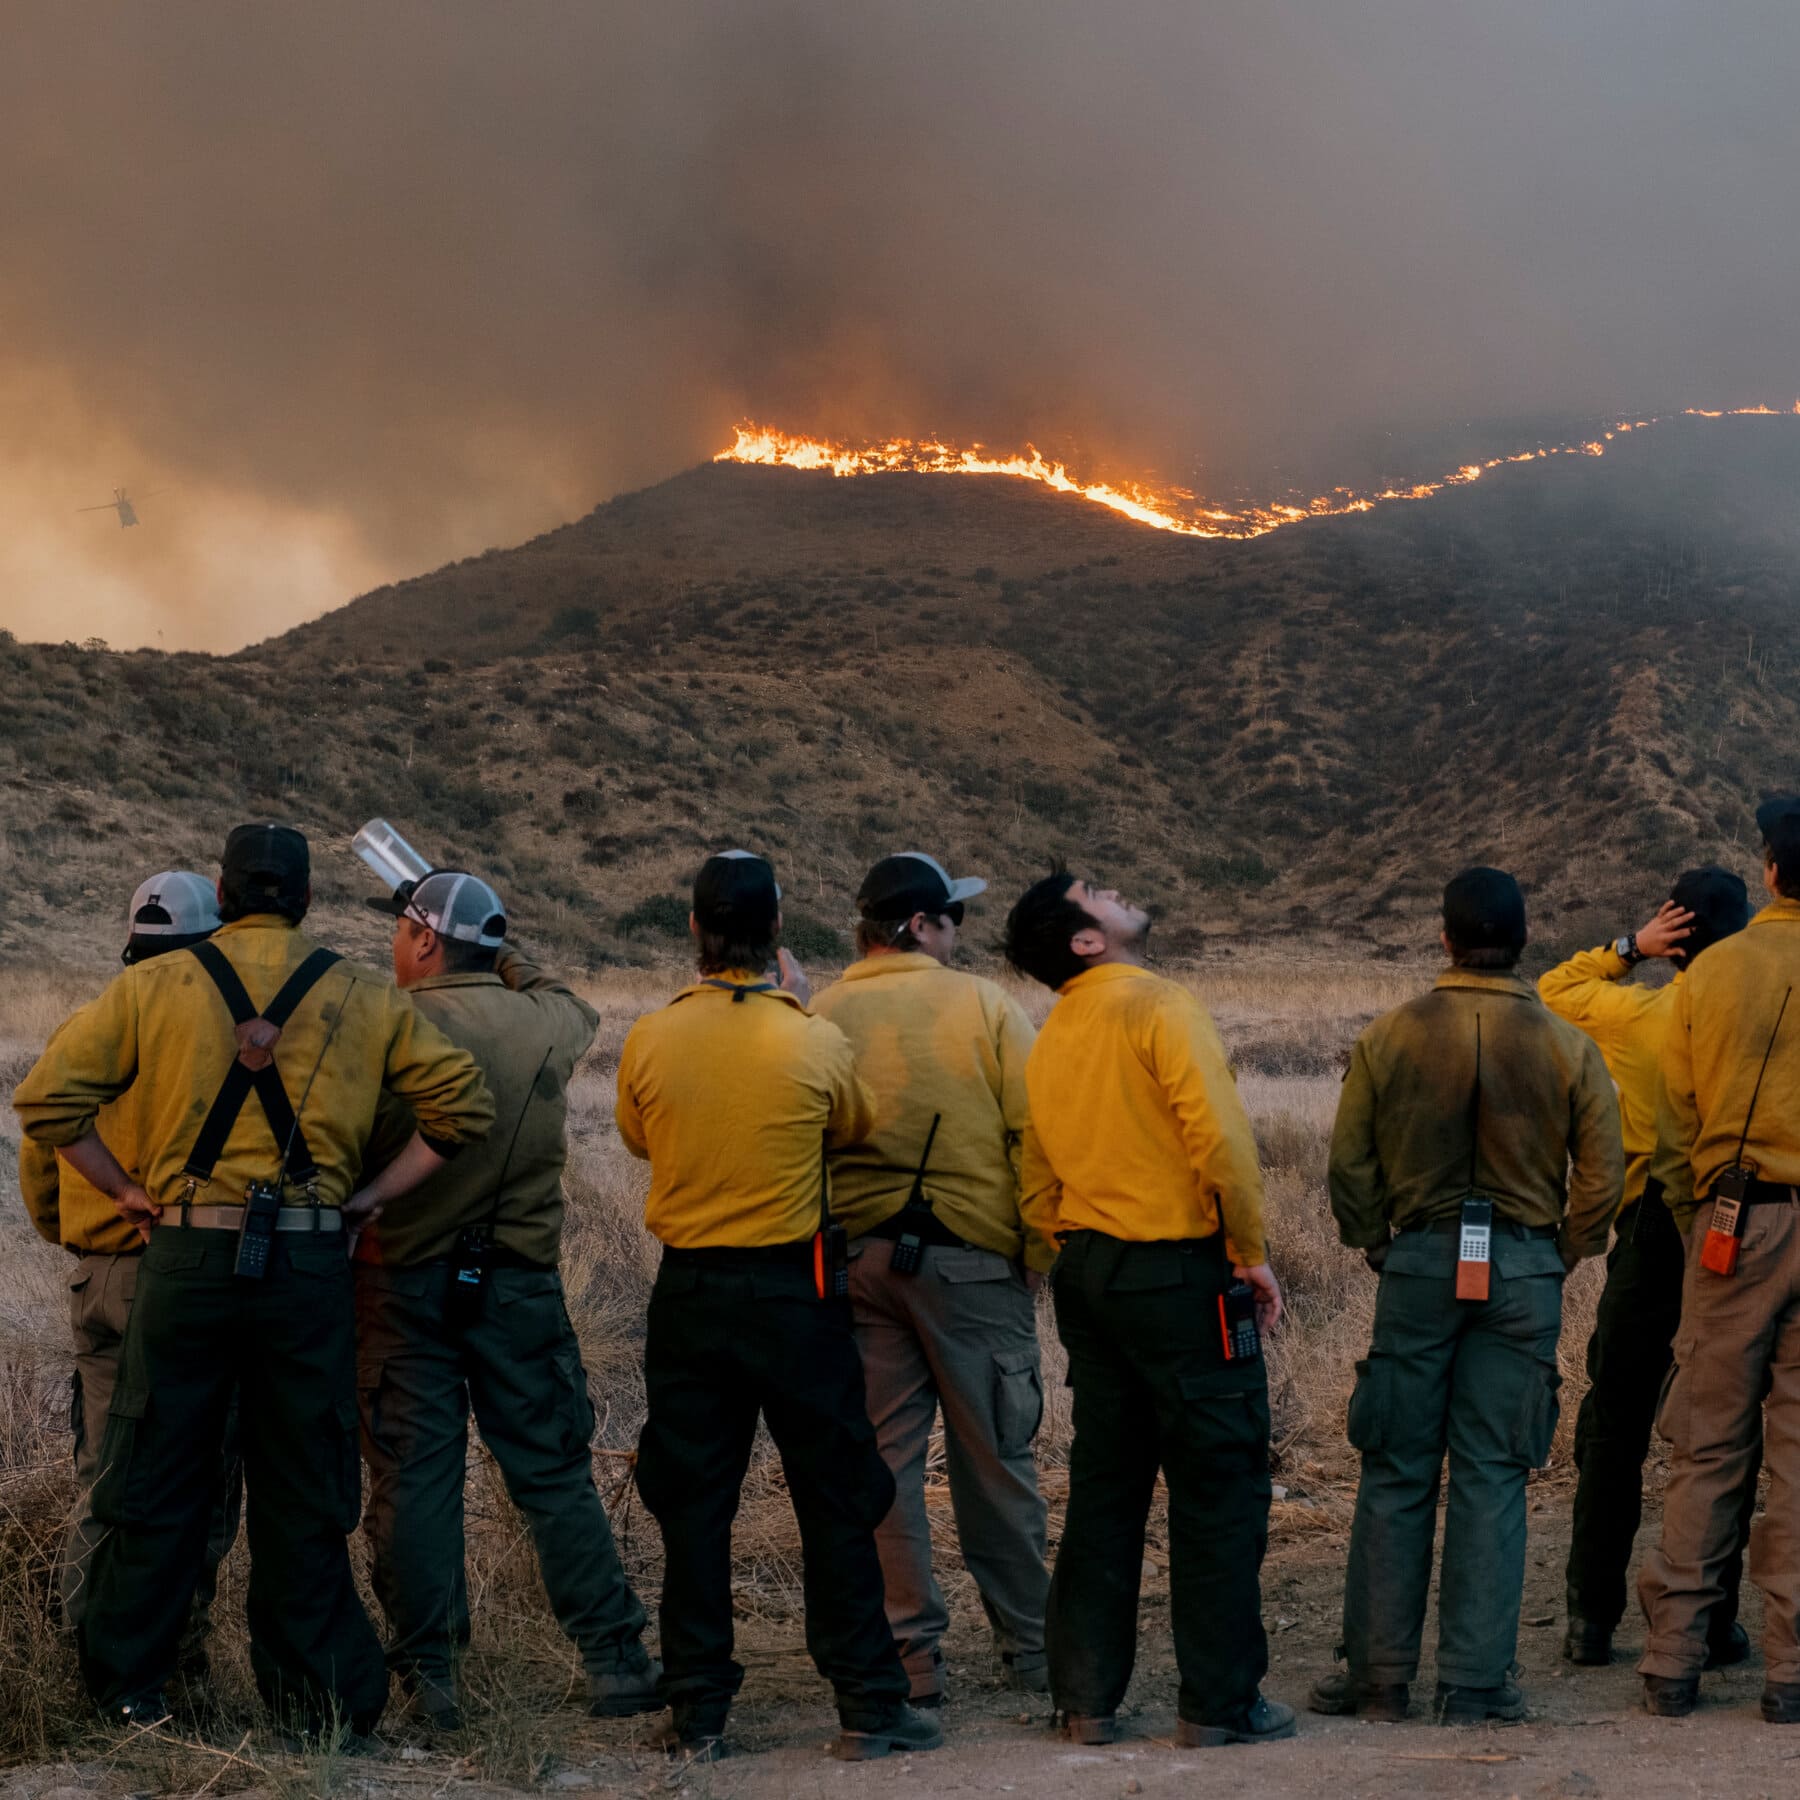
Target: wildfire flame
{"x": 1162, "y": 508}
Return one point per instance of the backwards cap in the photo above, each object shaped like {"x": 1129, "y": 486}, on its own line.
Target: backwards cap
{"x": 736, "y": 888}
{"x": 454, "y": 904}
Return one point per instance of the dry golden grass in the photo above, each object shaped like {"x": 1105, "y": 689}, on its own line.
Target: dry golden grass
{"x": 1288, "y": 1022}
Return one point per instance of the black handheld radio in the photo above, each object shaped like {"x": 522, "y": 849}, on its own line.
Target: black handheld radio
{"x": 473, "y": 1242}
{"x": 909, "y": 1246}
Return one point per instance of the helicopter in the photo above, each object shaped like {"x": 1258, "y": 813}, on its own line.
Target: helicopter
{"x": 121, "y": 504}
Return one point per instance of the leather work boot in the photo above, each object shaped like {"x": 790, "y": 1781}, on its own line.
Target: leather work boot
{"x": 1088, "y": 1728}
{"x": 1503, "y": 1705}
{"x": 906, "y": 1729}
{"x": 435, "y": 1704}
{"x": 1027, "y": 1671}
{"x": 1671, "y": 1696}
{"x": 140, "y": 1712}
{"x": 1341, "y": 1694}
{"x": 1781, "y": 1703}
{"x": 625, "y": 1693}
{"x": 1266, "y": 1721}
{"x": 1587, "y": 1645}
{"x": 1726, "y": 1649}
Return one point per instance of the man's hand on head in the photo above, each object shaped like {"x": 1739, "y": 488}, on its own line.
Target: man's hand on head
{"x": 1666, "y": 932}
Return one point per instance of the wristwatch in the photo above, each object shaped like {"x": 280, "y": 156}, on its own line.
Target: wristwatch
{"x": 1627, "y": 951}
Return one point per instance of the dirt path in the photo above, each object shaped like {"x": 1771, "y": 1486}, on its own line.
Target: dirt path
{"x": 1586, "y": 1735}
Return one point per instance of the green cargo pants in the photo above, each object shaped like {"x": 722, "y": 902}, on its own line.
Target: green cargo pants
{"x": 286, "y": 1344}
{"x": 1478, "y": 1380}
{"x": 518, "y": 1367}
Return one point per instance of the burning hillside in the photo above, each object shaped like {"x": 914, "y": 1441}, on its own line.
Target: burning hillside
{"x": 1174, "y": 509}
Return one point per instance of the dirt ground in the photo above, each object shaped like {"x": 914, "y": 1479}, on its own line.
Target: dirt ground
{"x": 1586, "y": 1735}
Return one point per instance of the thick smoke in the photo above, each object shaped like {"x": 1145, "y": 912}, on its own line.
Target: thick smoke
{"x": 366, "y": 288}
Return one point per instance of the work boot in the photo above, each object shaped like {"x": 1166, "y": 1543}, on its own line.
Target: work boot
{"x": 1726, "y": 1649}
{"x": 1027, "y": 1671}
{"x": 1587, "y": 1645}
{"x": 1503, "y": 1705}
{"x": 1671, "y": 1696}
{"x": 140, "y": 1712}
{"x": 1342, "y": 1694}
{"x": 435, "y": 1704}
{"x": 1087, "y": 1728}
{"x": 1265, "y": 1721}
{"x": 1781, "y": 1703}
{"x": 626, "y": 1692}
{"x": 904, "y": 1729}
{"x": 694, "y": 1736}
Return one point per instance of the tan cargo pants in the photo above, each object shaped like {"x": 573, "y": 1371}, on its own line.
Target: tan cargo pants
{"x": 100, "y": 1296}
{"x": 1739, "y": 1341}
{"x": 961, "y": 1334}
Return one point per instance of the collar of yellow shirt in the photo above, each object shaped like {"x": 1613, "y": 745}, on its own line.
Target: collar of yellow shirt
{"x": 1487, "y": 981}
{"x": 1105, "y": 972}
{"x": 891, "y": 962}
{"x": 1783, "y": 912}
{"x": 722, "y": 984}
{"x": 462, "y": 978}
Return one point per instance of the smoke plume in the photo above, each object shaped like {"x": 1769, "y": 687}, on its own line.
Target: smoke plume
{"x": 367, "y": 288}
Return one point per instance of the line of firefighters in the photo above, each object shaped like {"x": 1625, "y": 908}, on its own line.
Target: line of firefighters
{"x": 319, "y": 1214}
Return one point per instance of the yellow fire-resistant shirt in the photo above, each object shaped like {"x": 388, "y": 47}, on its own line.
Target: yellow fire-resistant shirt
{"x": 934, "y": 1040}
{"x": 734, "y": 1101}
{"x": 1136, "y": 1125}
{"x": 64, "y": 1206}
{"x": 526, "y": 1031}
{"x": 1628, "y": 1023}
{"x": 1723, "y": 1018}
{"x": 1400, "y": 1148}
{"x": 162, "y": 1030}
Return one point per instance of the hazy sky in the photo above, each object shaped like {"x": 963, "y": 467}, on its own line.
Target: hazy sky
{"x": 367, "y": 287}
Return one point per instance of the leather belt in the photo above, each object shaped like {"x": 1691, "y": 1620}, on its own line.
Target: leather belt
{"x": 725, "y": 1256}
{"x": 231, "y": 1218}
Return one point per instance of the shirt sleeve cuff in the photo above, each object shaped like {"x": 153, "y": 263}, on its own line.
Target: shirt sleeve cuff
{"x": 444, "y": 1147}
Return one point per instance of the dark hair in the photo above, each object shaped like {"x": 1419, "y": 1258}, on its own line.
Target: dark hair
{"x": 463, "y": 958}
{"x": 1039, "y": 927}
{"x": 884, "y": 934}
{"x": 738, "y": 948}
{"x": 1493, "y": 959}
{"x": 242, "y": 897}
{"x": 1785, "y": 861}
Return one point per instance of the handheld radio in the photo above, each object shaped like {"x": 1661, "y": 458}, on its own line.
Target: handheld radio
{"x": 909, "y": 1246}
{"x": 1475, "y": 1231}
{"x": 1725, "y": 1234}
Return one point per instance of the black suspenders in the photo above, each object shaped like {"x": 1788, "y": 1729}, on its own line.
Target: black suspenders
{"x": 240, "y": 1081}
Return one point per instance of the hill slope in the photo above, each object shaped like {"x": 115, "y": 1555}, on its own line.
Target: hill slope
{"x": 1585, "y": 671}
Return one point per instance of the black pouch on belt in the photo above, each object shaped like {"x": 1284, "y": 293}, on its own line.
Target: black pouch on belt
{"x": 262, "y": 1206}
{"x": 915, "y": 1216}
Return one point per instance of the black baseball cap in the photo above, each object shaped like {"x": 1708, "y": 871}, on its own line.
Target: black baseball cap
{"x": 1778, "y": 819}
{"x": 912, "y": 882}
{"x": 1719, "y": 902}
{"x": 266, "y": 867}
{"x": 1484, "y": 910}
{"x": 736, "y": 890}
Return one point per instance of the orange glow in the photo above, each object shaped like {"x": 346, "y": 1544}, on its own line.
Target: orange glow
{"x": 1162, "y": 508}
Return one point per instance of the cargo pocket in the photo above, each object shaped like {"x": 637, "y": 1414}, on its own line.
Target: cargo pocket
{"x": 1018, "y": 1400}
{"x": 121, "y": 1492}
{"x": 1538, "y": 1413}
{"x": 1369, "y": 1424}
{"x": 575, "y": 1404}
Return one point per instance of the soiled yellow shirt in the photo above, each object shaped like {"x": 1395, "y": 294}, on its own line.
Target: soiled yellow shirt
{"x": 1136, "y": 1125}
{"x": 734, "y": 1102}
{"x": 931, "y": 1041}
{"x": 162, "y": 1031}
{"x": 1629, "y": 1024}
{"x": 65, "y": 1207}
{"x": 1723, "y": 1020}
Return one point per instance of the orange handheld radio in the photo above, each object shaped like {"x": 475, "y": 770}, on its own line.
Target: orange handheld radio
{"x": 1725, "y": 1233}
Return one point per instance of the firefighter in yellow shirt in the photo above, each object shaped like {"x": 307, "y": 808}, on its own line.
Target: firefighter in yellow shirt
{"x": 1728, "y": 1157}
{"x": 1140, "y": 1159}
{"x": 255, "y": 1061}
{"x": 1640, "y": 1307}
{"x": 168, "y": 912}
{"x": 734, "y": 1093}
{"x": 942, "y": 1269}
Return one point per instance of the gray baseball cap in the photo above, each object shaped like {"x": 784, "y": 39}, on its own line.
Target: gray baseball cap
{"x": 176, "y": 903}
{"x": 455, "y": 904}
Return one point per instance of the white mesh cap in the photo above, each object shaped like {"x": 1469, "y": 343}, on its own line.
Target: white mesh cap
{"x": 176, "y": 903}
{"x": 458, "y": 905}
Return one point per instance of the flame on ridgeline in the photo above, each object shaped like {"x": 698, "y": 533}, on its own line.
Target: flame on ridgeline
{"x": 1163, "y": 508}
